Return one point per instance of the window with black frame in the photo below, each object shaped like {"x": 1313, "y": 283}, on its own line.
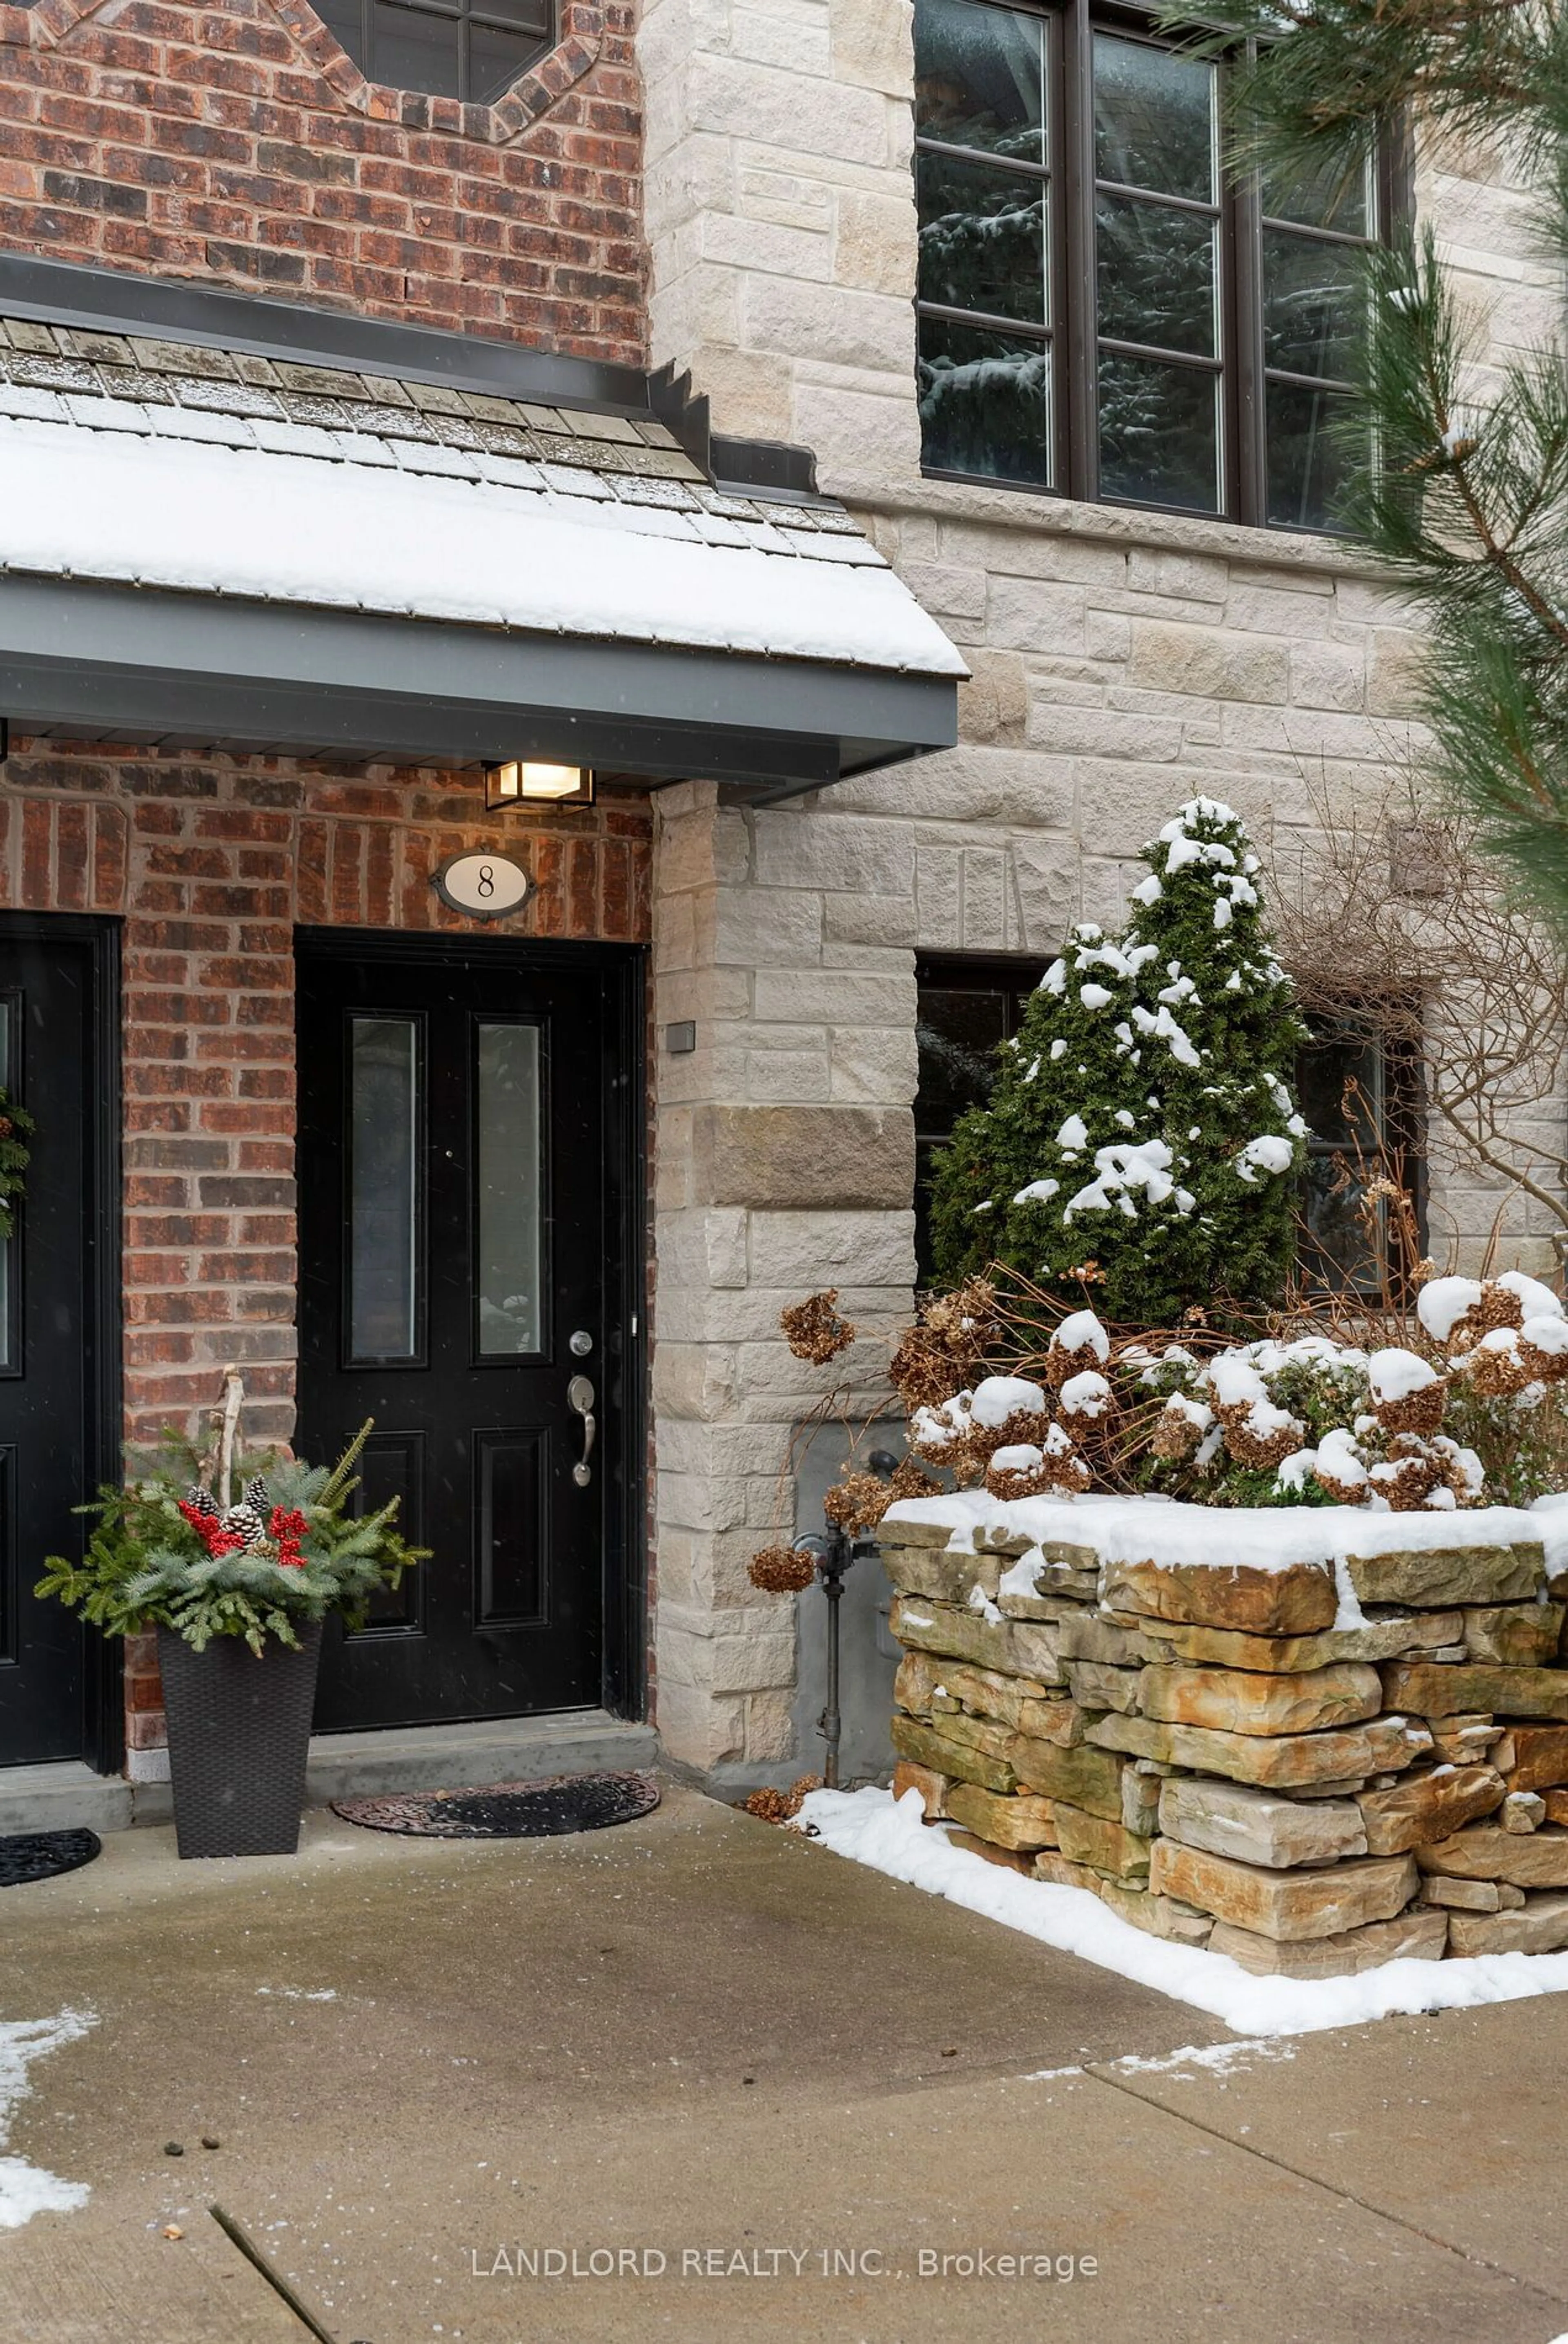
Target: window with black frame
{"x": 468, "y": 49}
{"x": 1101, "y": 312}
{"x": 1361, "y": 1100}
{"x": 968, "y": 1006}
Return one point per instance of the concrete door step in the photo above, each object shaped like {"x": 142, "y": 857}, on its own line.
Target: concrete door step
{"x": 351, "y": 1765}
{"x": 499, "y": 1750}
{"x": 65, "y": 1797}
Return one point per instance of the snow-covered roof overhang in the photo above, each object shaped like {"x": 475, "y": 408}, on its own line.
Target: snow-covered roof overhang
{"x": 209, "y": 546}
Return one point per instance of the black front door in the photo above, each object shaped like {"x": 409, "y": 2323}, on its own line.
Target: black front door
{"x": 459, "y": 1232}
{"x": 58, "y": 1049}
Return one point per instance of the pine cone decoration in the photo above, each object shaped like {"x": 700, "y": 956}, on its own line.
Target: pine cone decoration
{"x": 247, "y": 1525}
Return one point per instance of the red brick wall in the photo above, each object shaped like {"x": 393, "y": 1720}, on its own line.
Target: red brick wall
{"x": 211, "y": 862}
{"x": 236, "y": 143}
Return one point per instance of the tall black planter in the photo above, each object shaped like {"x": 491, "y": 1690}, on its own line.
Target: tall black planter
{"x": 238, "y": 1736}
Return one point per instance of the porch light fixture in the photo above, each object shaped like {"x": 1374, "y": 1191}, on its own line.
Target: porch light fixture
{"x": 521, "y": 780}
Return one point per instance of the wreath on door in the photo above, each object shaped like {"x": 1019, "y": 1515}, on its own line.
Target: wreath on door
{"x": 15, "y": 1126}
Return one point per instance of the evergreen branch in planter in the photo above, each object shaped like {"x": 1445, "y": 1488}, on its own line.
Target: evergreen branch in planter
{"x": 165, "y": 1552}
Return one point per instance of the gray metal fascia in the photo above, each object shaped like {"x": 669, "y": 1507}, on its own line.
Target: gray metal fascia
{"x": 355, "y": 684}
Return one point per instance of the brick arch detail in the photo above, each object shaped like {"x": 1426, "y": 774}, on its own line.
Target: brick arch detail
{"x": 235, "y": 143}
{"x": 51, "y": 23}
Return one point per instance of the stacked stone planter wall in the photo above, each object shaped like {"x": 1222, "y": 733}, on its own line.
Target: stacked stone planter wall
{"x": 1206, "y": 1750}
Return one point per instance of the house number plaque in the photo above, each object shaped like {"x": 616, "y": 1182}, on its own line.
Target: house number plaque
{"x": 483, "y": 886}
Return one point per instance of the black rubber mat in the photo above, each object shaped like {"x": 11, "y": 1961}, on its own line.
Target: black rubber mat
{"x": 543, "y": 1809}
{"x": 28, "y": 1856}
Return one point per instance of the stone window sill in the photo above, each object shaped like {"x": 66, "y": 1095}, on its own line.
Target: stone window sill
{"x": 1052, "y": 516}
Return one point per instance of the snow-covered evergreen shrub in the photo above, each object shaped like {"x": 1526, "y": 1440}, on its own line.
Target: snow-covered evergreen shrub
{"x": 1143, "y": 1118}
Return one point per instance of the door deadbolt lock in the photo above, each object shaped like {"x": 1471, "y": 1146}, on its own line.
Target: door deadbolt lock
{"x": 579, "y": 1398}
{"x": 579, "y": 1343}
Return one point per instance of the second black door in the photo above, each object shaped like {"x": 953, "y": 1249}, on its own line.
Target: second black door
{"x": 457, "y": 1241}
{"x": 58, "y": 1043}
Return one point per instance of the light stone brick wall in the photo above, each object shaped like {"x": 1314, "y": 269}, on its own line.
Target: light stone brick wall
{"x": 1122, "y": 662}
{"x": 785, "y": 1162}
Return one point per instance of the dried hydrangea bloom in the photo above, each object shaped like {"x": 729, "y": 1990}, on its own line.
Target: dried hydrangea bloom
{"x": 1258, "y": 1434}
{"x": 1544, "y": 1348}
{"x": 1087, "y": 1395}
{"x": 1067, "y": 1473}
{"x": 1495, "y": 1364}
{"x": 858, "y": 1502}
{"x": 814, "y": 1328}
{"x": 939, "y": 1431}
{"x": 948, "y": 1343}
{"x": 1079, "y": 1345}
{"x": 1341, "y": 1469}
{"x": 782, "y": 1569}
{"x": 1407, "y": 1394}
{"x": 1410, "y": 1474}
{"x": 772, "y": 1806}
{"x": 1181, "y": 1427}
{"x": 1494, "y": 1306}
{"x": 910, "y": 1481}
{"x": 1020, "y": 1472}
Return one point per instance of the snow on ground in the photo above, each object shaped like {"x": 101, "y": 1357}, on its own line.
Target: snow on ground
{"x": 26, "y": 2189}
{"x": 869, "y": 1828}
{"x": 1221, "y": 2059}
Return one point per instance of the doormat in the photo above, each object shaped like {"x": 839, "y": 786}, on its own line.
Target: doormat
{"x": 548, "y": 1809}
{"x": 38, "y": 1855}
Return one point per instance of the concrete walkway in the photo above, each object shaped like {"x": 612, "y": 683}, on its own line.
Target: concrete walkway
{"x": 699, "y": 2037}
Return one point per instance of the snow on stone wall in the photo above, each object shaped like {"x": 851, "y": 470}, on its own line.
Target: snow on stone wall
{"x": 1311, "y": 1740}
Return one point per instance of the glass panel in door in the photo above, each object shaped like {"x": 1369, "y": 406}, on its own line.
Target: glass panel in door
{"x": 508, "y": 1155}
{"x": 384, "y": 1180}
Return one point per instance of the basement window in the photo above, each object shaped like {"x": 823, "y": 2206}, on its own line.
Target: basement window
{"x": 968, "y": 1006}
{"x": 1360, "y": 1097}
{"x": 1359, "y": 1092}
{"x": 468, "y": 49}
